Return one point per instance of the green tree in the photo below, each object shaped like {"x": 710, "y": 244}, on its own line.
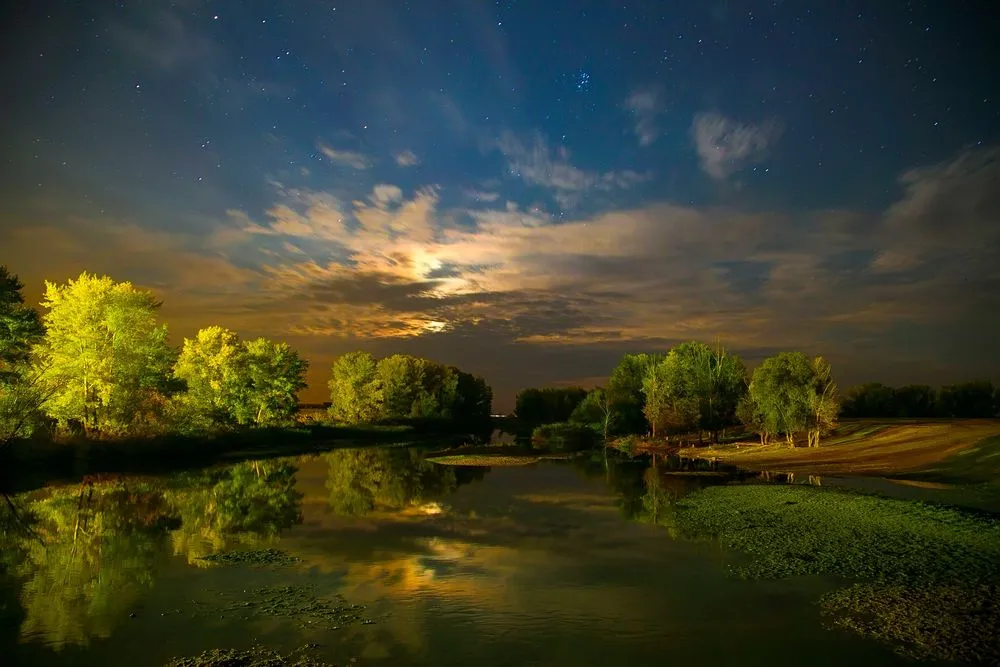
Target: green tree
{"x": 537, "y": 407}
{"x": 214, "y": 367}
{"x": 625, "y": 389}
{"x": 20, "y": 327}
{"x": 967, "y": 400}
{"x": 275, "y": 375}
{"x": 596, "y": 411}
{"x": 671, "y": 401}
{"x": 104, "y": 354}
{"x": 356, "y": 392}
{"x": 914, "y": 400}
{"x": 792, "y": 394}
{"x": 824, "y": 401}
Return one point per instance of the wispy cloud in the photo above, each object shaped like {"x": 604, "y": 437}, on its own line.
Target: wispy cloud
{"x": 645, "y": 104}
{"x": 725, "y": 145}
{"x": 407, "y": 159}
{"x": 350, "y": 159}
{"x": 536, "y": 163}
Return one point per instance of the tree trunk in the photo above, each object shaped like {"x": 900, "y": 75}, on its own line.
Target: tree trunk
{"x": 790, "y": 439}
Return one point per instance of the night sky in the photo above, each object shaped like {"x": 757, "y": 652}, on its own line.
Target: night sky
{"x": 524, "y": 189}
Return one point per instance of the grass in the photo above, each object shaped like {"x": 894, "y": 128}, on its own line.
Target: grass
{"x": 863, "y": 447}
{"x": 495, "y": 460}
{"x": 927, "y": 578}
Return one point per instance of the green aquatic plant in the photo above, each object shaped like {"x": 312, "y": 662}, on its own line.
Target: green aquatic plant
{"x": 798, "y": 530}
{"x": 950, "y": 623}
{"x": 256, "y": 656}
{"x": 273, "y": 557}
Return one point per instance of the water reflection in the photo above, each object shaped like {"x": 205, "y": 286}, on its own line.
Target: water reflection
{"x": 534, "y": 565}
{"x": 360, "y": 481}
{"x": 247, "y": 504}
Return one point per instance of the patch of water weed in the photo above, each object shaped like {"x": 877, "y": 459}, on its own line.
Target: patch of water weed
{"x": 272, "y": 557}
{"x": 299, "y": 603}
{"x": 257, "y": 656}
{"x": 930, "y": 575}
{"x": 798, "y": 530}
{"x": 949, "y": 623}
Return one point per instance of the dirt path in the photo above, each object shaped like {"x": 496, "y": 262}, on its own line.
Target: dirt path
{"x": 866, "y": 448}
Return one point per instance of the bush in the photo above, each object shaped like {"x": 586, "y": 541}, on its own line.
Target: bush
{"x": 563, "y": 437}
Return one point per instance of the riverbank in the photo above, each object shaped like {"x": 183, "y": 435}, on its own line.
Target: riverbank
{"x": 954, "y": 450}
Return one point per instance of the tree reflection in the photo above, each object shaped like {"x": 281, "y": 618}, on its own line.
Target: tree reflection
{"x": 87, "y": 558}
{"x": 361, "y": 480}
{"x": 249, "y": 503}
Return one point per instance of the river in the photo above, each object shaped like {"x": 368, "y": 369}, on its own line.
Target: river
{"x": 380, "y": 557}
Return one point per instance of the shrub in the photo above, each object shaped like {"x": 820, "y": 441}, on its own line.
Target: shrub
{"x": 562, "y": 436}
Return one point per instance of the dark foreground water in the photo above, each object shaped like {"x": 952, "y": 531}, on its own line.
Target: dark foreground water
{"x": 386, "y": 559}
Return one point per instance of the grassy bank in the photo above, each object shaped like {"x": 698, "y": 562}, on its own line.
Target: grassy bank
{"x": 869, "y": 447}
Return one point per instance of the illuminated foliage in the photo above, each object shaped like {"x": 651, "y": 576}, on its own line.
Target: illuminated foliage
{"x": 105, "y": 357}
{"x": 402, "y": 386}
{"x": 790, "y": 393}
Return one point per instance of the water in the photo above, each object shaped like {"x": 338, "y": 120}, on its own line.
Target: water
{"x": 552, "y": 564}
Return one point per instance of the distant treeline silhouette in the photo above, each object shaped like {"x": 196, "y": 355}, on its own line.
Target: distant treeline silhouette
{"x": 977, "y": 398}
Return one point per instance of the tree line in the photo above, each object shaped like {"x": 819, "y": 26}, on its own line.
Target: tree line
{"x": 978, "y": 398}
{"x": 697, "y": 390}
{"x": 364, "y": 390}
{"x": 98, "y": 362}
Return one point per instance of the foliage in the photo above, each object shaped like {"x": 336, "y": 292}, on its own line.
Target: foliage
{"x": 356, "y": 391}
{"x": 104, "y": 357}
{"x": 406, "y": 387}
{"x": 562, "y": 437}
{"x": 626, "y": 394}
{"x": 361, "y": 480}
{"x": 597, "y": 412}
{"x": 915, "y": 400}
{"x": 969, "y": 399}
{"x": 234, "y": 382}
{"x": 256, "y": 656}
{"x": 275, "y": 375}
{"x": 20, "y": 327}
{"x": 534, "y": 407}
{"x": 790, "y": 393}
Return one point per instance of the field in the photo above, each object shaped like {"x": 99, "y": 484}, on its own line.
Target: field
{"x": 942, "y": 451}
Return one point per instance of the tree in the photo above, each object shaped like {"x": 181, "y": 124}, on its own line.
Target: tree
{"x": 871, "y": 399}
{"x": 790, "y": 393}
{"x": 596, "y": 411}
{"x": 626, "y": 393}
{"x": 915, "y": 400}
{"x": 356, "y": 390}
{"x": 20, "y": 327}
{"x": 275, "y": 375}
{"x": 752, "y": 416}
{"x": 104, "y": 354}
{"x": 967, "y": 400}
{"x": 213, "y": 365}
{"x": 536, "y": 407}
{"x": 824, "y": 403}
{"x": 672, "y": 402}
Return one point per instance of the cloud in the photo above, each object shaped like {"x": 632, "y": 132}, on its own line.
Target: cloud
{"x": 534, "y": 162}
{"x": 407, "y": 159}
{"x": 645, "y": 105}
{"x": 481, "y": 195}
{"x": 948, "y": 212}
{"x": 167, "y": 41}
{"x": 397, "y": 271}
{"x": 725, "y": 145}
{"x": 348, "y": 158}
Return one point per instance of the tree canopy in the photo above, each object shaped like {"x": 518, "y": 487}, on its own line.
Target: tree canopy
{"x": 535, "y": 407}
{"x": 790, "y": 393}
{"x": 363, "y": 390}
{"x": 104, "y": 356}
